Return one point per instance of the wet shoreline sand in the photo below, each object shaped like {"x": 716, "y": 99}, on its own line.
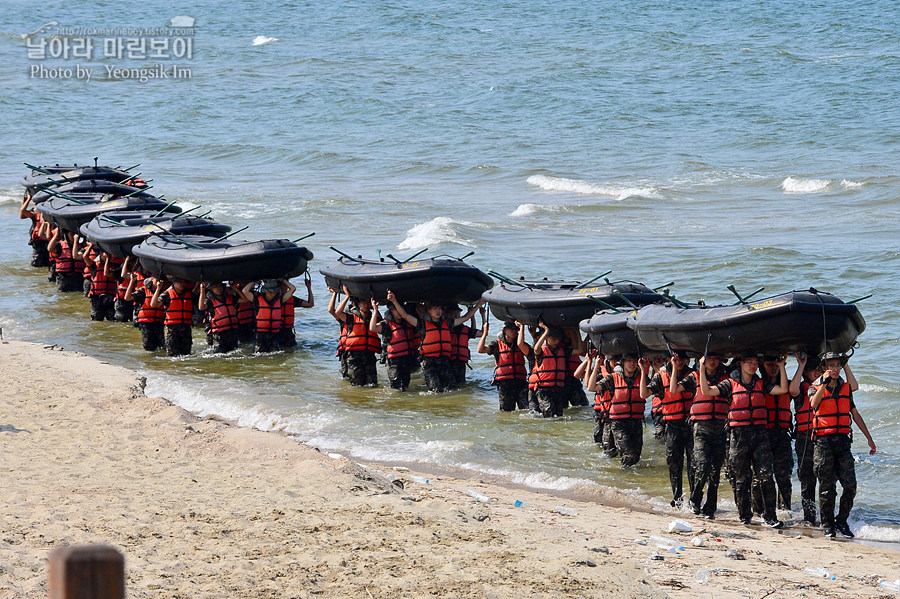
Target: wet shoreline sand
{"x": 203, "y": 508}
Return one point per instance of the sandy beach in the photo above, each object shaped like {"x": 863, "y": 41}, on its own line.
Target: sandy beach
{"x": 201, "y": 508}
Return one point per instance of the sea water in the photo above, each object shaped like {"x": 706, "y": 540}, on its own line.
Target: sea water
{"x": 751, "y": 144}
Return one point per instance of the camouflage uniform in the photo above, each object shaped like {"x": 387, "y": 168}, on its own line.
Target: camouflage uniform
{"x": 628, "y": 436}
{"x": 152, "y": 335}
{"x": 438, "y": 374}
{"x": 805, "y": 449}
{"x": 833, "y": 462}
{"x": 751, "y": 458}
{"x": 710, "y": 438}
{"x": 361, "y": 368}
{"x": 399, "y": 371}
{"x": 178, "y": 339}
{"x": 513, "y": 394}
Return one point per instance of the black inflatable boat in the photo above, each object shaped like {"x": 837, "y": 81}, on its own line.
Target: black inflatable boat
{"x": 60, "y": 176}
{"x": 88, "y": 186}
{"x": 610, "y": 334}
{"x": 810, "y": 321}
{"x": 200, "y": 258}
{"x": 438, "y": 279}
{"x": 118, "y": 232}
{"x": 562, "y": 304}
{"x": 70, "y": 214}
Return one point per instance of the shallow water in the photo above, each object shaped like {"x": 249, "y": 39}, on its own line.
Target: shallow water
{"x": 748, "y": 145}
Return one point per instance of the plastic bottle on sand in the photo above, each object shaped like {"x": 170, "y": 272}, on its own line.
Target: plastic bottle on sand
{"x": 702, "y": 576}
{"x": 890, "y": 585}
{"x": 478, "y": 496}
{"x": 660, "y": 541}
{"x": 819, "y": 572}
{"x": 565, "y": 511}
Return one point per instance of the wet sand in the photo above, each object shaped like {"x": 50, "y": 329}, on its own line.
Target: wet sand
{"x": 201, "y": 508}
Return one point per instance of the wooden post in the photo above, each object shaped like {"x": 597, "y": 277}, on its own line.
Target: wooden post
{"x": 86, "y": 572}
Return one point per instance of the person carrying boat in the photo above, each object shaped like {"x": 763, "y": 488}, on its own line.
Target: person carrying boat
{"x": 675, "y": 408}
{"x": 708, "y": 416}
{"x": 341, "y": 352}
{"x": 594, "y": 368}
{"x": 361, "y": 344}
{"x": 246, "y": 319}
{"x": 657, "y": 362}
{"x": 178, "y": 304}
{"x": 807, "y": 371}
{"x": 286, "y": 336}
{"x": 40, "y": 255}
{"x": 626, "y": 406}
{"x": 220, "y": 305}
{"x": 267, "y": 305}
{"x": 103, "y": 286}
{"x": 574, "y": 389}
{"x": 434, "y": 330}
{"x": 551, "y": 369}
{"x": 149, "y": 320}
{"x": 123, "y": 309}
{"x": 831, "y": 400}
{"x": 749, "y": 451}
{"x": 459, "y": 341}
{"x": 66, "y": 267}
{"x": 778, "y": 428}
{"x": 401, "y": 348}
{"x": 510, "y": 356}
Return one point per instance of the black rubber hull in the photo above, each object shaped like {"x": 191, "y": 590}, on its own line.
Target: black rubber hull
{"x": 226, "y": 260}
{"x": 74, "y": 173}
{"x": 120, "y": 240}
{"x": 70, "y": 215}
{"x": 560, "y": 304}
{"x": 88, "y": 186}
{"x": 796, "y": 321}
{"x": 608, "y": 332}
{"x": 445, "y": 280}
{"x": 29, "y": 180}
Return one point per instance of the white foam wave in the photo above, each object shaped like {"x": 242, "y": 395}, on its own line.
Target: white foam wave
{"x": 800, "y": 185}
{"x": 529, "y": 209}
{"x": 436, "y": 452}
{"x": 619, "y": 192}
{"x": 872, "y": 532}
{"x": 441, "y": 229}
{"x": 852, "y": 184}
{"x": 875, "y": 388}
{"x": 259, "y": 40}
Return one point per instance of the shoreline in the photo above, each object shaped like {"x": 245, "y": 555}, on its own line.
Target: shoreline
{"x": 203, "y": 508}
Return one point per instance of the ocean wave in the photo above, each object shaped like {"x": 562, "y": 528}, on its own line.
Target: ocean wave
{"x": 852, "y": 184}
{"x": 800, "y": 185}
{"x": 441, "y": 229}
{"x": 619, "y": 192}
{"x": 529, "y": 209}
{"x": 259, "y": 40}
{"x": 875, "y": 388}
{"x": 872, "y": 532}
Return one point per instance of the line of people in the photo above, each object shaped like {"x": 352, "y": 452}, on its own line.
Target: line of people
{"x": 165, "y": 310}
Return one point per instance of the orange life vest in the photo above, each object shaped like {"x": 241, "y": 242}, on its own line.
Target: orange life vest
{"x": 833, "y": 414}
{"x": 64, "y": 261}
{"x": 803, "y": 413}
{"x": 552, "y": 367}
{"x": 709, "y": 407}
{"x": 510, "y": 362}
{"x": 748, "y": 406}
{"x": 402, "y": 340}
{"x": 573, "y": 364}
{"x": 100, "y": 283}
{"x": 626, "y": 401}
{"x": 268, "y": 314}
{"x": 244, "y": 313}
{"x": 459, "y": 343}
{"x": 36, "y": 226}
{"x": 602, "y": 402}
{"x": 359, "y": 337}
{"x": 122, "y": 288}
{"x": 436, "y": 342}
{"x": 287, "y": 313}
{"x": 148, "y": 314}
{"x": 223, "y": 315}
{"x": 342, "y": 339}
{"x": 181, "y": 307}
{"x": 674, "y": 406}
{"x": 779, "y": 408}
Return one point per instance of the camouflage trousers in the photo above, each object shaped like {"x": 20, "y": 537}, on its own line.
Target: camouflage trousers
{"x": 807, "y": 476}
{"x": 679, "y": 448}
{"x": 574, "y": 392}
{"x": 399, "y": 371}
{"x": 833, "y": 462}
{"x": 178, "y": 339}
{"x": 628, "y": 439}
{"x": 782, "y": 467}
{"x": 152, "y": 335}
{"x": 551, "y": 401}
{"x": 710, "y": 438}
{"x": 750, "y": 457}
{"x": 438, "y": 374}
{"x": 103, "y": 307}
{"x": 513, "y": 394}
{"x": 361, "y": 368}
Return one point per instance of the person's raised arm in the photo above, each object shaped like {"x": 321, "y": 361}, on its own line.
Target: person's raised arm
{"x": 374, "y": 325}
{"x": 246, "y": 291}
{"x": 705, "y": 389}
{"x": 585, "y": 365}
{"x": 644, "y": 365}
{"x": 782, "y": 386}
{"x": 542, "y": 339}
{"x": 125, "y": 270}
{"x": 794, "y": 387}
{"x": 155, "y": 301}
{"x": 201, "y": 303}
{"x": 471, "y": 312}
{"x": 854, "y": 386}
{"x": 105, "y": 264}
{"x": 402, "y": 311}
{"x": 310, "y": 301}
{"x": 482, "y": 341}
{"x": 129, "y": 291}
{"x": 54, "y": 240}
{"x": 289, "y": 289}
{"x": 858, "y": 419}
{"x": 339, "y": 312}
{"x": 24, "y": 212}
{"x": 520, "y": 339}
{"x": 590, "y": 374}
